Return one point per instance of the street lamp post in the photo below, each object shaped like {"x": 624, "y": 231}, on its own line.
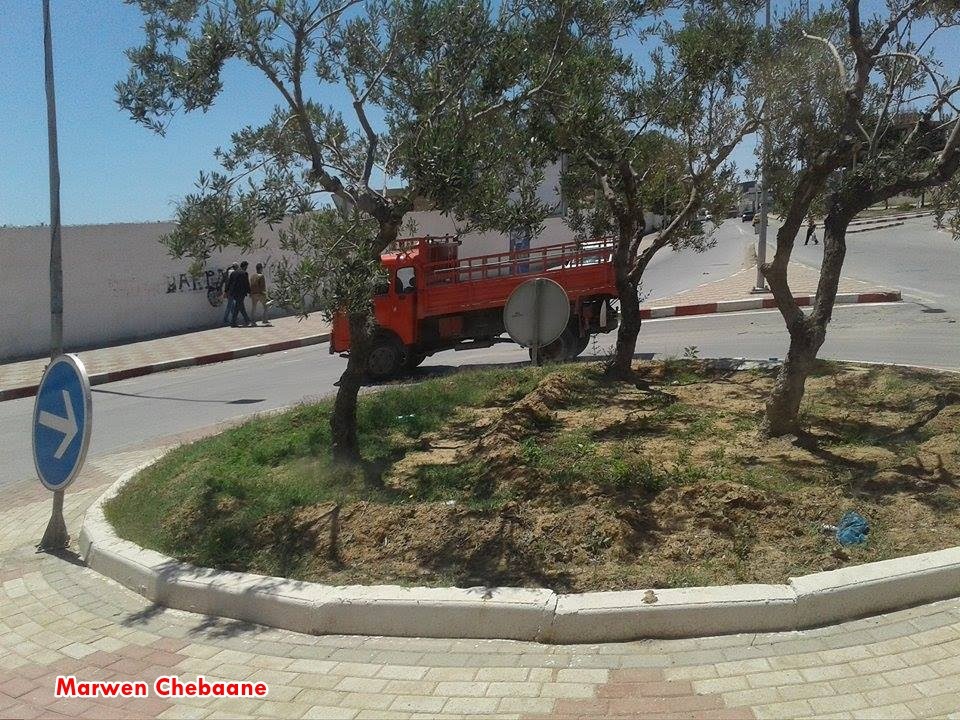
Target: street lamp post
{"x": 761, "y": 285}
{"x": 56, "y": 263}
{"x": 55, "y": 537}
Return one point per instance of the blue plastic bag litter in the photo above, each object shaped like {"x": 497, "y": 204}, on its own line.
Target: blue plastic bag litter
{"x": 852, "y": 529}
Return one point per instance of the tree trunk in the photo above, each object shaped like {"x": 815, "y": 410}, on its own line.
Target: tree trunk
{"x": 343, "y": 421}
{"x": 783, "y": 405}
{"x": 629, "y": 328}
{"x": 808, "y": 333}
{"x": 345, "y": 446}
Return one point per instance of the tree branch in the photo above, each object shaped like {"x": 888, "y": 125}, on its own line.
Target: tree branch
{"x": 371, "y": 142}
{"x": 841, "y": 68}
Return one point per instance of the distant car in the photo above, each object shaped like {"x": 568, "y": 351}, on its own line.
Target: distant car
{"x": 747, "y": 215}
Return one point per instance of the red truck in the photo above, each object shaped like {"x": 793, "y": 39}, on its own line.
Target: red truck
{"x": 435, "y": 301}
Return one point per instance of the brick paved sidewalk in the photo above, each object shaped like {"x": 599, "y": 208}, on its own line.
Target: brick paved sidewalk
{"x": 803, "y": 281}
{"x": 109, "y": 364}
{"x": 57, "y": 617}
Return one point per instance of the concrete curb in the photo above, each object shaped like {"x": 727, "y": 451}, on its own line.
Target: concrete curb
{"x": 874, "y": 227}
{"x": 517, "y": 613}
{"x": 115, "y": 375}
{"x": 886, "y": 218}
{"x": 761, "y": 302}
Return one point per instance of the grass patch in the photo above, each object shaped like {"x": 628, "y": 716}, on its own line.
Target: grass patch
{"x": 562, "y": 477}
{"x": 203, "y": 501}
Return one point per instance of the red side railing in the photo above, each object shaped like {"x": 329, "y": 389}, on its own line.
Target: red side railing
{"x": 546, "y": 259}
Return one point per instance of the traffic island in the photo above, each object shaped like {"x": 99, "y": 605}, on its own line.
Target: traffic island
{"x": 735, "y": 294}
{"x": 584, "y": 490}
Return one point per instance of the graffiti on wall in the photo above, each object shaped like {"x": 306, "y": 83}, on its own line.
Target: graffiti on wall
{"x": 210, "y": 281}
{"x": 185, "y": 282}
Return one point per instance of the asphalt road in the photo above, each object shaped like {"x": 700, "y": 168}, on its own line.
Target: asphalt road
{"x": 133, "y": 411}
{"x": 914, "y": 257}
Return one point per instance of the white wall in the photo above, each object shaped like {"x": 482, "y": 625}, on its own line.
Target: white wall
{"x": 429, "y": 222}
{"x": 119, "y": 284}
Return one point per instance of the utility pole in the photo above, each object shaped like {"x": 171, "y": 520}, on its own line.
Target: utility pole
{"x": 55, "y": 537}
{"x": 56, "y": 263}
{"x": 761, "y": 285}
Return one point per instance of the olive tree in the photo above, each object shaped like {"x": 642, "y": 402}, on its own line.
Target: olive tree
{"x": 864, "y": 112}
{"x": 434, "y": 88}
{"x": 653, "y": 106}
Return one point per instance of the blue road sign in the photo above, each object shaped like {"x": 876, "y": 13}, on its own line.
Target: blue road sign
{"x": 62, "y": 419}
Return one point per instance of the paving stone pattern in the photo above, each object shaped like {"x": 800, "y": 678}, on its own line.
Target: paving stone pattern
{"x": 58, "y": 617}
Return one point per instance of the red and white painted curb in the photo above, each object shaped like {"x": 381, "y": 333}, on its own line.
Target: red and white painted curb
{"x": 762, "y": 303}
{"x": 149, "y": 369}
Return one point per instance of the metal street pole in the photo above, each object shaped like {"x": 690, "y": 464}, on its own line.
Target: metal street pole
{"x": 55, "y": 537}
{"x": 56, "y": 264}
{"x": 761, "y": 285}
{"x": 538, "y": 291}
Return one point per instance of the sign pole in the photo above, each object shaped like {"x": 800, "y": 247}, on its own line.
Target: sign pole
{"x": 56, "y": 262}
{"x": 538, "y": 289}
{"x": 55, "y": 537}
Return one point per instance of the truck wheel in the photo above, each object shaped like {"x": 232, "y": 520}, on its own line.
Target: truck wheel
{"x": 559, "y": 350}
{"x": 580, "y": 345}
{"x": 386, "y": 358}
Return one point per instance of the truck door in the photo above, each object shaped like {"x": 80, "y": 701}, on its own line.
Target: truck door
{"x": 405, "y": 304}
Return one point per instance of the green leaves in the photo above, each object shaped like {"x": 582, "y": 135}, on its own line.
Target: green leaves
{"x": 441, "y": 93}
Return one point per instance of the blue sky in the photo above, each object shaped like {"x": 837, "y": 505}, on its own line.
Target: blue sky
{"x": 112, "y": 170}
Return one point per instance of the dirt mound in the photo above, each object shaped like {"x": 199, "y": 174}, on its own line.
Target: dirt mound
{"x": 534, "y": 411}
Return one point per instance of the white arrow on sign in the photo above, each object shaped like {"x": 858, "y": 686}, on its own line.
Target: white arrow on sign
{"x": 66, "y": 425}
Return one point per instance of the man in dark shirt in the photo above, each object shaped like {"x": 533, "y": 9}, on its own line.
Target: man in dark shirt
{"x": 238, "y": 287}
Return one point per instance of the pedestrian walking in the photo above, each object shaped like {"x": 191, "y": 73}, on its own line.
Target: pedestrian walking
{"x": 224, "y": 285}
{"x": 238, "y": 288}
{"x": 811, "y": 232}
{"x": 258, "y": 294}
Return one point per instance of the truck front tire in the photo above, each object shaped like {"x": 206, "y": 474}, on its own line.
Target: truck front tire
{"x": 387, "y": 357}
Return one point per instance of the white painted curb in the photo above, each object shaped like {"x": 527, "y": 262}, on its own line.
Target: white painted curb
{"x": 517, "y": 613}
